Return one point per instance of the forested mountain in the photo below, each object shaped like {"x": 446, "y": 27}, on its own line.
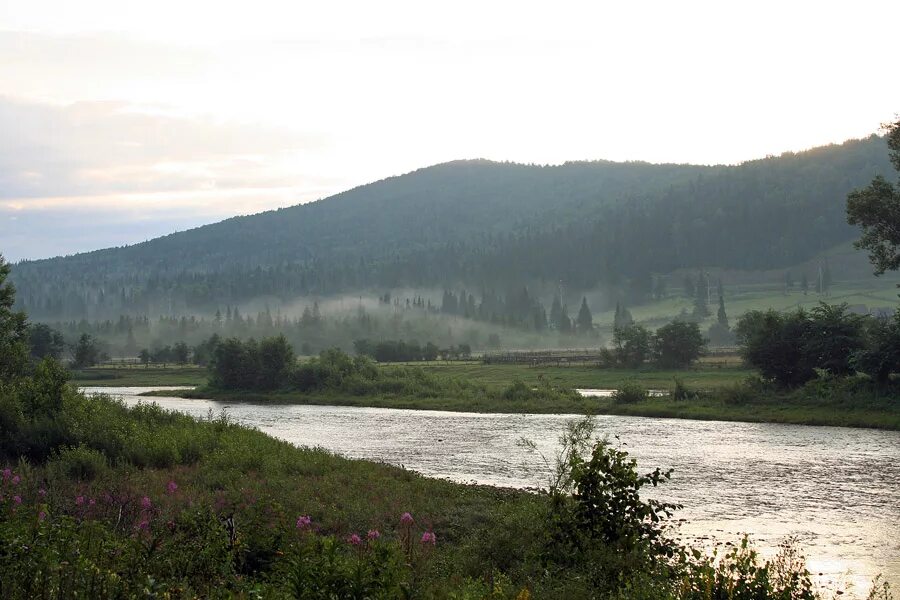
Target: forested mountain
{"x": 482, "y": 225}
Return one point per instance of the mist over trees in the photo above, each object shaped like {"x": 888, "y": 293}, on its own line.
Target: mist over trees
{"x": 477, "y": 225}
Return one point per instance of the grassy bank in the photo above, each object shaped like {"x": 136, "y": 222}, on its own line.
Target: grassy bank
{"x": 475, "y": 387}
{"x": 126, "y": 376}
{"x": 859, "y": 408}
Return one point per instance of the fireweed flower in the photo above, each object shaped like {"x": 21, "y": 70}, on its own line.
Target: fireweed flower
{"x": 16, "y": 479}
{"x": 354, "y": 539}
{"x": 172, "y": 487}
{"x": 304, "y": 522}
{"x": 79, "y": 501}
{"x": 406, "y": 519}
{"x": 373, "y": 534}
{"x": 429, "y": 538}
{"x": 17, "y": 499}
{"x": 7, "y": 473}
{"x": 146, "y": 504}
{"x": 42, "y": 492}
{"x": 42, "y": 515}
{"x": 143, "y": 525}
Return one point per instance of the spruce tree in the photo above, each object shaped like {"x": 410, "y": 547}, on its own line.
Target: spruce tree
{"x": 556, "y": 312}
{"x": 585, "y": 319}
{"x": 721, "y": 316}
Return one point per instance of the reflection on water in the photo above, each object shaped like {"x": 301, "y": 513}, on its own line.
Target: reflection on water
{"x": 835, "y": 489}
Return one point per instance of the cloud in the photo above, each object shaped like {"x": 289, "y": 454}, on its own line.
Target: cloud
{"x": 98, "y": 148}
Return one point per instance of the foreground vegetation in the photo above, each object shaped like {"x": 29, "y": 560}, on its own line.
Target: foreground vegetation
{"x": 102, "y": 501}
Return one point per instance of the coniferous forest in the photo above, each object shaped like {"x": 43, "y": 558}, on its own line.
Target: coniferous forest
{"x": 491, "y": 228}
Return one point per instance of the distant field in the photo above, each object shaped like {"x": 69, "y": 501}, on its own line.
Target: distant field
{"x": 500, "y": 376}
{"x": 870, "y": 293}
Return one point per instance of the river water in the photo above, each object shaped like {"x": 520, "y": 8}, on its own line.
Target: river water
{"x": 836, "y": 490}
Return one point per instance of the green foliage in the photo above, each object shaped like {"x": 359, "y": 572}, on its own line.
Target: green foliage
{"x": 79, "y": 463}
{"x": 789, "y": 348}
{"x": 879, "y": 355}
{"x": 45, "y": 342}
{"x": 773, "y": 343}
{"x": 630, "y": 393}
{"x": 13, "y": 329}
{"x": 876, "y": 209}
{"x": 325, "y": 568}
{"x": 632, "y": 345}
{"x": 678, "y": 344}
{"x": 86, "y": 352}
{"x": 681, "y": 392}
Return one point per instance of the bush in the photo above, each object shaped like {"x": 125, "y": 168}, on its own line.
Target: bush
{"x": 678, "y": 344}
{"x": 79, "y": 462}
{"x": 518, "y": 391}
{"x": 630, "y": 393}
{"x": 681, "y": 391}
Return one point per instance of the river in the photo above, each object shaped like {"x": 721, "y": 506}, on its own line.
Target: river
{"x": 837, "y": 490}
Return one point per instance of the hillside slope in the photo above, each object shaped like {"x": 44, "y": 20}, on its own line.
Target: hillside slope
{"x": 480, "y": 223}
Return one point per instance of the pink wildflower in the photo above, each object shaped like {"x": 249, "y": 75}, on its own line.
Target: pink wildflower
{"x": 79, "y": 501}
{"x": 145, "y": 524}
{"x": 42, "y": 493}
{"x": 373, "y": 534}
{"x": 17, "y": 499}
{"x": 92, "y": 502}
{"x": 146, "y": 504}
{"x": 428, "y": 538}
{"x": 406, "y": 519}
{"x": 42, "y": 515}
{"x": 16, "y": 479}
{"x": 304, "y": 522}
{"x": 7, "y": 473}
{"x": 354, "y": 539}
{"x": 172, "y": 487}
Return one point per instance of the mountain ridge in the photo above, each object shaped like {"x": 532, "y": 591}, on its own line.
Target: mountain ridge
{"x": 481, "y": 222}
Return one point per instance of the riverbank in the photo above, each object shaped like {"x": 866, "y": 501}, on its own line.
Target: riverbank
{"x": 705, "y": 375}
{"x": 845, "y": 407}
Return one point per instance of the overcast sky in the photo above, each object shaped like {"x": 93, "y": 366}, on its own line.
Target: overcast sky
{"x": 121, "y": 120}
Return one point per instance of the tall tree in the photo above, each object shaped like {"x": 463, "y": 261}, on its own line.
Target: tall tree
{"x": 876, "y": 209}
{"x": 13, "y": 329}
{"x": 585, "y": 319}
{"x": 721, "y": 316}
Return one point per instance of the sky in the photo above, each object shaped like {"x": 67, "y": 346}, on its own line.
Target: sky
{"x": 123, "y": 120}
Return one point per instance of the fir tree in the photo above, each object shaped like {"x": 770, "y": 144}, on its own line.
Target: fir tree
{"x": 721, "y": 316}
{"x": 585, "y": 319}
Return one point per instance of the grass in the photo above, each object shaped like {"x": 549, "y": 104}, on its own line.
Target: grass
{"x": 134, "y": 376}
{"x": 776, "y": 408}
{"x": 500, "y": 376}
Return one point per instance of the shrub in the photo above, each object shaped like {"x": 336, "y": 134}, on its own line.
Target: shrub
{"x": 681, "y": 391}
{"x": 79, "y": 462}
{"x": 518, "y": 391}
{"x": 629, "y": 393}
